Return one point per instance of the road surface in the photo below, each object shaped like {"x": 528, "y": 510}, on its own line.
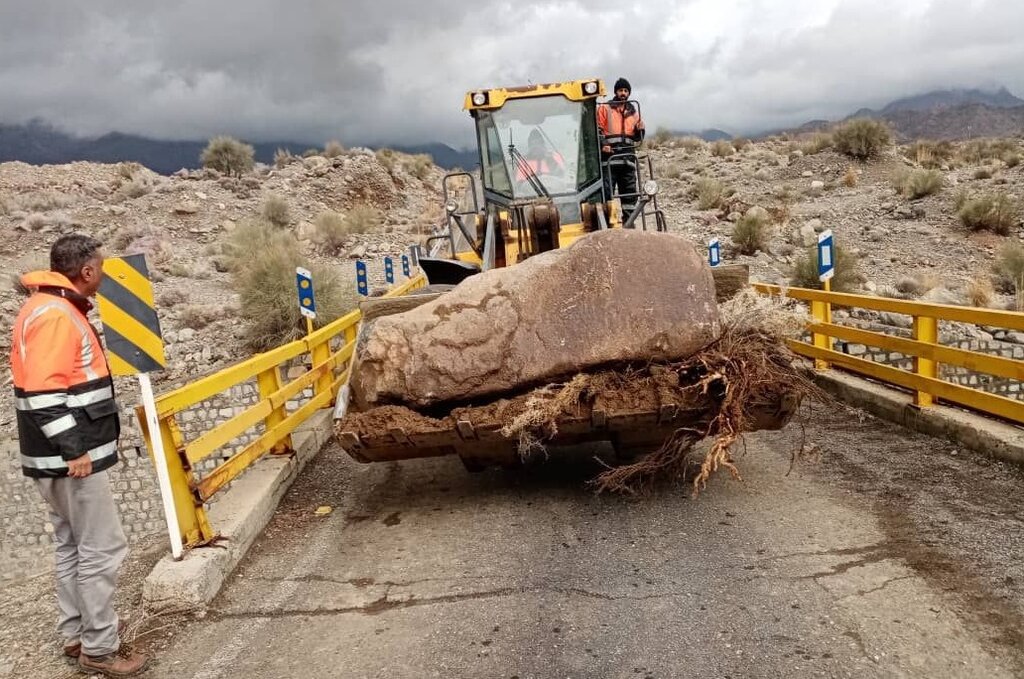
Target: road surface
{"x": 894, "y": 555}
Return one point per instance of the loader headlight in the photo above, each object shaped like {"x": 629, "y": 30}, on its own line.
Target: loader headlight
{"x": 452, "y": 206}
{"x": 480, "y": 98}
{"x": 650, "y": 187}
{"x": 590, "y": 88}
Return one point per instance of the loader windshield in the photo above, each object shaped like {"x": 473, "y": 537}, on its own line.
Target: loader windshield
{"x": 532, "y": 146}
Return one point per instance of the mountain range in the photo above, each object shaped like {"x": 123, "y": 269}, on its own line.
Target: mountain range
{"x": 939, "y": 114}
{"x": 39, "y": 143}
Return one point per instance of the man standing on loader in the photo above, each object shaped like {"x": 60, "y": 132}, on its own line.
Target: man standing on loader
{"x": 621, "y": 130}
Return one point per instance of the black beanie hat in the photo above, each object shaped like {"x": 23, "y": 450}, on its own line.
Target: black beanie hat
{"x": 622, "y": 83}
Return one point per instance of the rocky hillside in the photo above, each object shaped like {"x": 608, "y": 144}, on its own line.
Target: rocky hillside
{"x": 181, "y": 222}
{"x": 907, "y": 247}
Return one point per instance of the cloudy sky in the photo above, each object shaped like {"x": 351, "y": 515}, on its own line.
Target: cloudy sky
{"x": 367, "y": 71}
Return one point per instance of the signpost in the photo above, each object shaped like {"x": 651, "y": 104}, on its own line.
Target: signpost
{"x": 405, "y": 265}
{"x": 135, "y": 346}
{"x": 389, "y": 270}
{"x": 714, "y": 252}
{"x": 307, "y": 303}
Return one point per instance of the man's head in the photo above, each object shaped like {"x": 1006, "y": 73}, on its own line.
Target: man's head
{"x": 622, "y": 89}
{"x": 79, "y": 258}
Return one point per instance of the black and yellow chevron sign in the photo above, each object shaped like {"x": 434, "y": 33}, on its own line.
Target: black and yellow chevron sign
{"x": 130, "y": 324}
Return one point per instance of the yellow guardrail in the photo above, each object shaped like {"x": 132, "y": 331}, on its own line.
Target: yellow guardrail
{"x": 924, "y": 346}
{"x": 329, "y": 369}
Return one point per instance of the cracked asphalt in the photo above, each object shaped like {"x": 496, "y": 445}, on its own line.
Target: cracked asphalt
{"x": 893, "y": 555}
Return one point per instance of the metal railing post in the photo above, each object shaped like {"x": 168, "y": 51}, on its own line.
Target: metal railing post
{"x": 822, "y": 313}
{"x": 926, "y": 329}
{"x": 192, "y": 521}
{"x": 269, "y": 381}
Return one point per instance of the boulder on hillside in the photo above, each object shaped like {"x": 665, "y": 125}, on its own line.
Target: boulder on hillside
{"x": 612, "y": 297}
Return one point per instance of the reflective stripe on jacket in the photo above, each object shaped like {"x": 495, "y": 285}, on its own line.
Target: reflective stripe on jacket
{"x": 63, "y": 392}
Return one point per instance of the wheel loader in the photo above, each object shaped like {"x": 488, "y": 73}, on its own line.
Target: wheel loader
{"x": 542, "y": 185}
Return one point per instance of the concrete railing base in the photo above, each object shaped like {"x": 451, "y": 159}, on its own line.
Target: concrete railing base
{"x": 239, "y": 517}
{"x": 990, "y": 437}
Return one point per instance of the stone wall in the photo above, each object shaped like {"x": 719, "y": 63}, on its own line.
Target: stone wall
{"x": 25, "y": 530}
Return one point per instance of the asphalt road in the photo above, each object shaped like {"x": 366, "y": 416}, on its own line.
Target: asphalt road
{"x": 893, "y": 556}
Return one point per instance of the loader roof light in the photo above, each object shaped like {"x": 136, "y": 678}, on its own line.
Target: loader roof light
{"x": 480, "y": 98}
{"x": 590, "y": 88}
{"x": 452, "y": 206}
{"x": 650, "y": 187}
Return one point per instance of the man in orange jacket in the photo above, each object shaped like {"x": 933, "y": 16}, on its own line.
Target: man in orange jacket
{"x": 621, "y": 130}
{"x": 68, "y": 429}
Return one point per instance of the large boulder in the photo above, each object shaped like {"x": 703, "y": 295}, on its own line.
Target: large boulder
{"x": 612, "y": 297}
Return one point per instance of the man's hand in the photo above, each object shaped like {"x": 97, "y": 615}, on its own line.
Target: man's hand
{"x": 606, "y": 149}
{"x": 640, "y": 125}
{"x": 80, "y": 467}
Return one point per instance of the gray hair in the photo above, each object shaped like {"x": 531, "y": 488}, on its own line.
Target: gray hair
{"x": 70, "y": 253}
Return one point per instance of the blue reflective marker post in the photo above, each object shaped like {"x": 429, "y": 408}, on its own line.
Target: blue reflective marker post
{"x": 307, "y": 303}
{"x": 823, "y": 310}
{"x": 362, "y": 286}
{"x": 405, "y": 265}
{"x": 389, "y": 271}
{"x": 714, "y": 252}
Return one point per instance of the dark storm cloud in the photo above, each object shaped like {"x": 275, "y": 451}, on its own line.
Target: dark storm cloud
{"x": 396, "y": 71}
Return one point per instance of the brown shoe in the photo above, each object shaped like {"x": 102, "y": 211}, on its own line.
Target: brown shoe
{"x": 74, "y": 649}
{"x": 120, "y": 664}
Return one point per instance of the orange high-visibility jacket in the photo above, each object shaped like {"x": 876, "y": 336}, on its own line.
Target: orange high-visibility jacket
{"x": 619, "y": 121}
{"x": 540, "y": 166}
{"x": 63, "y": 392}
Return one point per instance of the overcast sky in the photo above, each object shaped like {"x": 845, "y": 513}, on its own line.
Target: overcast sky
{"x": 366, "y": 71}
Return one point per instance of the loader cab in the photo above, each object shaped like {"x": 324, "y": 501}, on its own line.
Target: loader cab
{"x": 540, "y": 186}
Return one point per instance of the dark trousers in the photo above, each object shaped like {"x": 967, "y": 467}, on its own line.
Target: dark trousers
{"x": 622, "y": 182}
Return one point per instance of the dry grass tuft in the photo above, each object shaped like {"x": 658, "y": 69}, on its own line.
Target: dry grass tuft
{"x": 275, "y": 209}
{"x": 980, "y": 292}
{"x": 862, "y": 138}
{"x": 996, "y": 212}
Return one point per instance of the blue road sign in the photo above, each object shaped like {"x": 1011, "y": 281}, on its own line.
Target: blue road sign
{"x": 389, "y": 270}
{"x": 714, "y": 252}
{"x": 826, "y": 255}
{"x": 405, "y": 265}
{"x": 304, "y": 283}
{"x": 362, "y": 285}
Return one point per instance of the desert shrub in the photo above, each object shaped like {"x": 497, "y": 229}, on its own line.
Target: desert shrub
{"x": 691, "y": 144}
{"x": 751, "y": 233}
{"x": 35, "y": 221}
{"x": 127, "y": 170}
{"x": 929, "y": 154}
{"x": 996, "y": 212}
{"x": 979, "y": 292}
{"x": 673, "y": 172}
{"x": 661, "y": 137}
{"x": 847, "y": 276}
{"x": 740, "y": 143}
{"x": 363, "y": 219}
{"x": 418, "y": 165}
{"x": 275, "y": 209}
{"x": 960, "y": 198}
{"x": 861, "y": 138}
{"x": 914, "y": 184}
{"x": 42, "y": 201}
{"x": 172, "y": 297}
{"x": 134, "y": 188}
{"x": 722, "y": 148}
{"x": 283, "y": 158}
{"x": 198, "y": 316}
{"x": 333, "y": 149}
{"x": 1012, "y": 159}
{"x": 331, "y": 230}
{"x": 818, "y": 143}
{"x": 983, "y": 173}
{"x": 309, "y": 153}
{"x": 850, "y": 177}
{"x": 263, "y": 261}
{"x": 1009, "y": 267}
{"x": 228, "y": 156}
{"x": 710, "y": 193}
{"x": 388, "y": 159}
